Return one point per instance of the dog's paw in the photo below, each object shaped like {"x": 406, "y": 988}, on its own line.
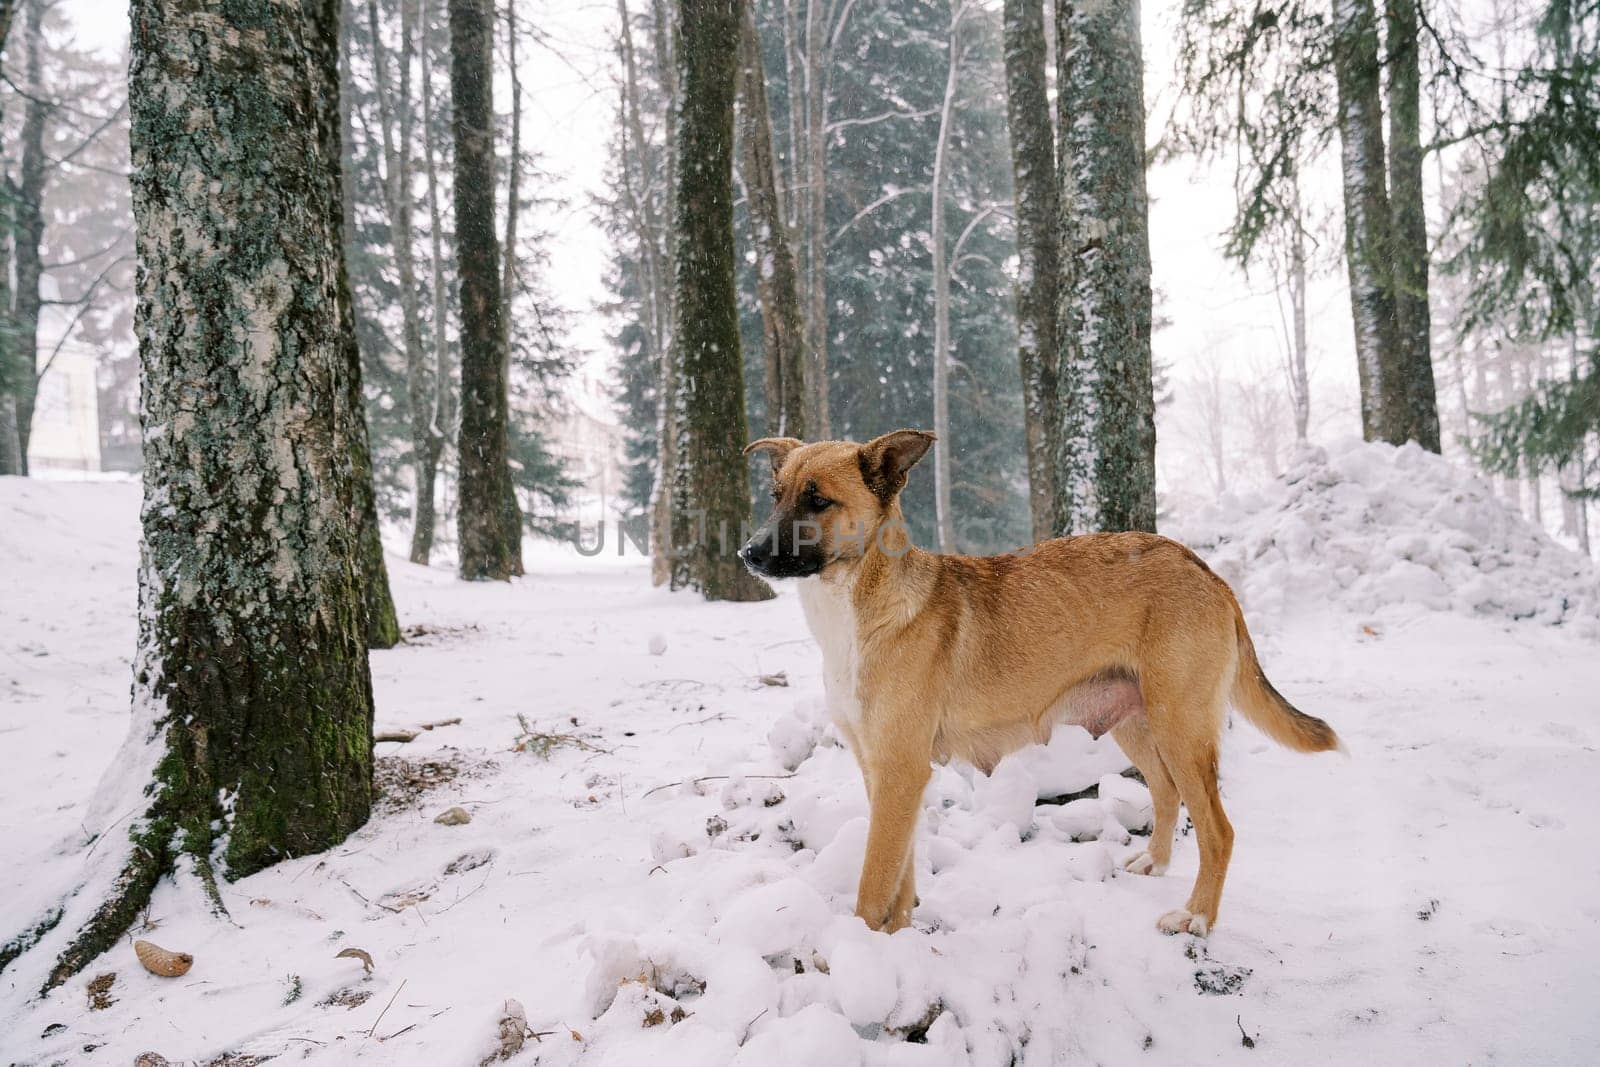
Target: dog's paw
{"x": 1144, "y": 863}
{"x": 1179, "y": 921}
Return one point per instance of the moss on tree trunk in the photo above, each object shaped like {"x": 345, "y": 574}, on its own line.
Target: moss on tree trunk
{"x": 252, "y": 675}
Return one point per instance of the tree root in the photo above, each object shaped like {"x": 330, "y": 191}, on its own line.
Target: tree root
{"x": 29, "y": 937}
{"x": 151, "y": 859}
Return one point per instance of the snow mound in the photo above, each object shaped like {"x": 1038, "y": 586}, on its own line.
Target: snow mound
{"x": 1395, "y": 532}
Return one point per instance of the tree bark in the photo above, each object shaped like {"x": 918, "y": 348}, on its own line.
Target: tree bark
{"x": 27, "y": 227}
{"x": 664, "y": 30}
{"x": 1367, "y": 219}
{"x": 1418, "y": 406}
{"x": 1033, "y": 163}
{"x": 394, "y": 116}
{"x": 943, "y": 515}
{"x": 711, "y": 504}
{"x": 783, "y": 324}
{"x": 486, "y": 545}
{"x": 818, "y": 417}
{"x": 382, "y": 624}
{"x": 252, "y": 698}
{"x": 1105, "y": 449}
{"x": 439, "y": 427}
{"x": 509, "y": 269}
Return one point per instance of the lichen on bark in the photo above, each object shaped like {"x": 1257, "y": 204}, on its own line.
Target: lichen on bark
{"x": 251, "y": 687}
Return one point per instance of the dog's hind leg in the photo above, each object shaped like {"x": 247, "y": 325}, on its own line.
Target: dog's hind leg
{"x": 1186, "y": 730}
{"x": 1133, "y": 735}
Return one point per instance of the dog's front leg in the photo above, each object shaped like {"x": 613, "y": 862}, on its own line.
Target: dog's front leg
{"x": 887, "y": 892}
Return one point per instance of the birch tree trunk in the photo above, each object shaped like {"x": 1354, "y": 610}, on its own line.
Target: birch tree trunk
{"x": 711, "y": 503}
{"x": 1418, "y": 415}
{"x": 1105, "y": 451}
{"x": 941, "y": 290}
{"x": 1289, "y": 267}
{"x": 252, "y": 699}
{"x": 1367, "y": 218}
{"x": 1033, "y": 162}
{"x": 489, "y": 545}
{"x": 783, "y": 325}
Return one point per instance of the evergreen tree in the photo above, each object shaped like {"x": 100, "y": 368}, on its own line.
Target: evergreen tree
{"x": 1530, "y": 248}
{"x": 886, "y": 92}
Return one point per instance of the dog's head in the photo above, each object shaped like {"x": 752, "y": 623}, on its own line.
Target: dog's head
{"x": 830, "y": 500}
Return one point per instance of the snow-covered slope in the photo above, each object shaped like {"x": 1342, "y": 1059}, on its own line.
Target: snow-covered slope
{"x": 671, "y": 881}
{"x": 1393, "y": 532}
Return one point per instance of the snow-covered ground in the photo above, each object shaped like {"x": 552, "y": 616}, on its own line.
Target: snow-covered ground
{"x": 669, "y": 878}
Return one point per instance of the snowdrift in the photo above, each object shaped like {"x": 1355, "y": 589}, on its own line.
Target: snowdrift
{"x": 1392, "y": 533}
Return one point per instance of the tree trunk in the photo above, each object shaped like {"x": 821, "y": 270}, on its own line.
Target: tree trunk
{"x": 1418, "y": 406}
{"x": 508, "y": 277}
{"x": 1367, "y": 219}
{"x": 661, "y": 518}
{"x": 1033, "y": 162}
{"x": 10, "y": 442}
{"x": 487, "y": 546}
{"x": 711, "y": 505}
{"x": 439, "y": 427}
{"x": 1289, "y": 272}
{"x": 382, "y": 624}
{"x": 27, "y": 222}
{"x": 252, "y": 699}
{"x": 394, "y": 110}
{"x": 1105, "y": 449}
{"x": 943, "y": 515}
{"x": 783, "y": 325}
{"x": 818, "y": 418}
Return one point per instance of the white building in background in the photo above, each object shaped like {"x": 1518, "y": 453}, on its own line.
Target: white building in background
{"x": 587, "y": 434}
{"x": 66, "y": 417}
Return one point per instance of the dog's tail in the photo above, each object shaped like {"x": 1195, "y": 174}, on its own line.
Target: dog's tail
{"x": 1266, "y": 708}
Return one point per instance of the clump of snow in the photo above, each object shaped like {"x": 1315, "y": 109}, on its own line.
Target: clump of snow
{"x": 1395, "y": 532}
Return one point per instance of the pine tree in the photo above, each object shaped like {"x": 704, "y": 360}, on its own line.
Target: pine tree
{"x": 1105, "y": 448}
{"x": 711, "y": 505}
{"x": 252, "y": 696}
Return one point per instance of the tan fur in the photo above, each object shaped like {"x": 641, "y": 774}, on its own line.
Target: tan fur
{"x": 931, "y": 657}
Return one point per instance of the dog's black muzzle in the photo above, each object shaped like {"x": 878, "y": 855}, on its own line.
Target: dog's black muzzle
{"x": 772, "y": 556}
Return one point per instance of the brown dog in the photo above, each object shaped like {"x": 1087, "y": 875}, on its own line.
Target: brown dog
{"x": 928, "y": 657}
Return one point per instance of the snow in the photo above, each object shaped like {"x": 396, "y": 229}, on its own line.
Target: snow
{"x": 1392, "y": 533}
{"x": 677, "y": 889}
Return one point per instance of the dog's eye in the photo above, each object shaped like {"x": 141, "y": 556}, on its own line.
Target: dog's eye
{"x": 820, "y": 503}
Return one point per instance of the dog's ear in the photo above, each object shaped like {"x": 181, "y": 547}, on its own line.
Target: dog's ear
{"x": 778, "y": 448}
{"x": 885, "y": 460}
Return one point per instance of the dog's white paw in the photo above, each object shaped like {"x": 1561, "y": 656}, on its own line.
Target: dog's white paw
{"x": 1144, "y": 863}
{"x": 1179, "y": 921}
